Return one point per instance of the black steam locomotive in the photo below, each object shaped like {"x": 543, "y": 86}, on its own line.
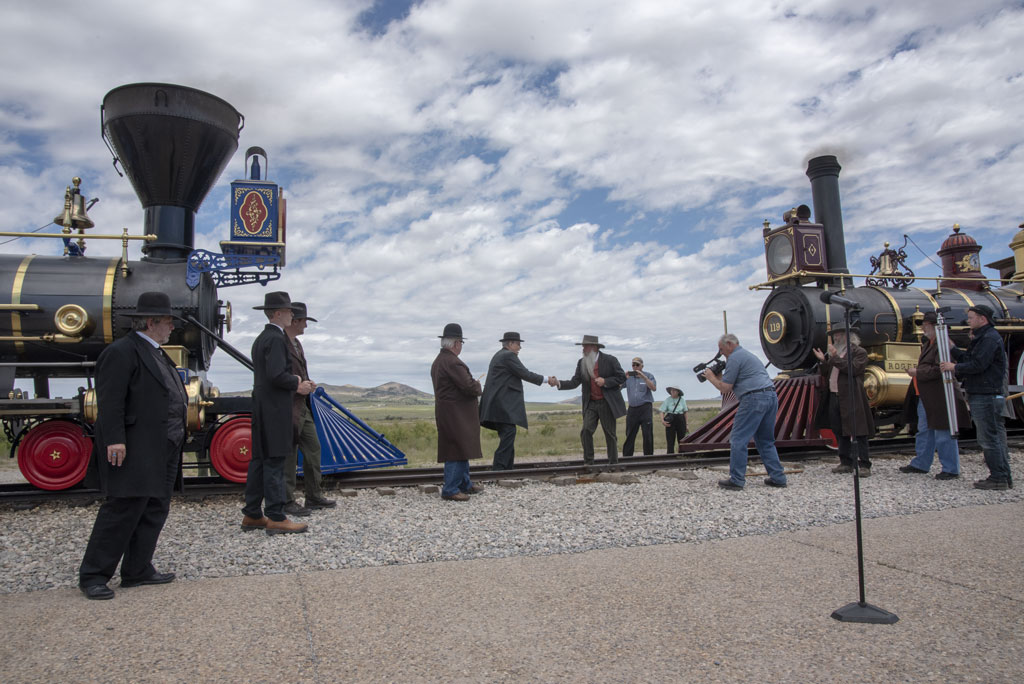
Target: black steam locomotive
{"x": 805, "y": 259}
{"x": 57, "y": 313}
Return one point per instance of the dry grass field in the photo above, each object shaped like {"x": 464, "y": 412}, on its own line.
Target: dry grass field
{"x": 554, "y": 432}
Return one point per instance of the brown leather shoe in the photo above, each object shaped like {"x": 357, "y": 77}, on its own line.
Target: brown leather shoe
{"x": 285, "y": 526}
{"x": 458, "y": 496}
{"x": 250, "y": 524}
{"x": 475, "y": 489}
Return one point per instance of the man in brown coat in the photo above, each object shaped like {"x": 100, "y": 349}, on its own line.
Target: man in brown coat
{"x": 456, "y": 413}
{"x": 303, "y": 429}
{"x": 925, "y": 407}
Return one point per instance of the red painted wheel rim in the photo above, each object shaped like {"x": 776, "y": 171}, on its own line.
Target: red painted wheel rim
{"x": 825, "y": 433}
{"x": 54, "y": 455}
{"x": 231, "y": 449}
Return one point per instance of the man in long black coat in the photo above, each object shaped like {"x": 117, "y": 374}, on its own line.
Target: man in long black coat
{"x": 273, "y": 387}
{"x": 601, "y": 378}
{"x": 502, "y": 406}
{"x": 140, "y": 428}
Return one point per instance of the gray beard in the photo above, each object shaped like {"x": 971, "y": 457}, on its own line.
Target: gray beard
{"x": 588, "y": 365}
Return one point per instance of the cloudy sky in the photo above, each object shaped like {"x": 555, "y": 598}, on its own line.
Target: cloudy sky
{"x": 556, "y": 168}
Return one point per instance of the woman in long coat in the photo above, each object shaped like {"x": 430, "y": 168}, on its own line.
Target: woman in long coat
{"x": 925, "y": 409}
{"x": 851, "y": 423}
{"x": 456, "y": 412}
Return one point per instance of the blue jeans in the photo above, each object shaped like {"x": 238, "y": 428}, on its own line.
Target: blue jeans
{"x": 755, "y": 418}
{"x": 928, "y": 441}
{"x": 456, "y": 478}
{"x": 987, "y": 414}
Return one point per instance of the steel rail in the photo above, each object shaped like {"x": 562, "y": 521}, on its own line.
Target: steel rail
{"x": 24, "y": 495}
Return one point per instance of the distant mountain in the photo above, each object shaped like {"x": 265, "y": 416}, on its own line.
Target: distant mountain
{"x": 391, "y": 393}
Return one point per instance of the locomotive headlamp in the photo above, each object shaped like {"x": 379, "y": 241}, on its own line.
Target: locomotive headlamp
{"x": 797, "y": 246}
{"x": 72, "y": 320}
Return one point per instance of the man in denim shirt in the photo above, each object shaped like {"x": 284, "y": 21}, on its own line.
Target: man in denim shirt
{"x": 982, "y": 370}
{"x": 640, "y": 415}
{"x": 745, "y": 376}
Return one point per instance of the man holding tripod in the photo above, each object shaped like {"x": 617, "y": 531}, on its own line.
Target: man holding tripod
{"x": 745, "y": 376}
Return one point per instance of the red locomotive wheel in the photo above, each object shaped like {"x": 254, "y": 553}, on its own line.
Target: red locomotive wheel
{"x": 825, "y": 433}
{"x": 54, "y": 455}
{"x": 231, "y": 449}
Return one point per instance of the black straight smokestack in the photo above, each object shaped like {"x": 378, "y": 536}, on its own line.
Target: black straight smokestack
{"x": 173, "y": 142}
{"x": 824, "y": 175}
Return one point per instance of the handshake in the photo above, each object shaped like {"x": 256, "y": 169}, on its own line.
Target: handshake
{"x": 553, "y": 381}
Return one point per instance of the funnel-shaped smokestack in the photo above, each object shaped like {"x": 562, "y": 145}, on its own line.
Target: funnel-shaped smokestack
{"x": 173, "y": 142}
{"x": 824, "y": 175}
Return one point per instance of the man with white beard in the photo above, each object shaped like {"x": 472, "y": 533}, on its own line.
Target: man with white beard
{"x": 602, "y": 379}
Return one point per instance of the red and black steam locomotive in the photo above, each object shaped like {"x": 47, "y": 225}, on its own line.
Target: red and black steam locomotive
{"x": 806, "y": 259}
{"x": 57, "y": 313}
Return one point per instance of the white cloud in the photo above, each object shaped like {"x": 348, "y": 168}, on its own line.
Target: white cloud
{"x": 427, "y": 168}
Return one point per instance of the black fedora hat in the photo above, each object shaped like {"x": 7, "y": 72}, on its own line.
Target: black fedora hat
{"x": 275, "y": 300}
{"x": 453, "y": 330}
{"x": 152, "y": 305}
{"x": 590, "y": 339}
{"x": 930, "y": 317}
{"x": 299, "y": 311}
{"x": 510, "y": 337}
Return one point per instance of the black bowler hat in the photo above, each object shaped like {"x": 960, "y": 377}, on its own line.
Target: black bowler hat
{"x": 152, "y": 305}
{"x": 299, "y": 311}
{"x": 275, "y": 300}
{"x": 510, "y": 337}
{"x": 983, "y": 310}
{"x": 453, "y": 330}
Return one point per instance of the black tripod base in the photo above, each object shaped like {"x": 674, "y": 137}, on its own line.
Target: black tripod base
{"x": 864, "y": 612}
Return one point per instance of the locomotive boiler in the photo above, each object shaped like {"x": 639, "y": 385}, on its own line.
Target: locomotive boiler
{"x": 805, "y": 259}
{"x": 58, "y": 313}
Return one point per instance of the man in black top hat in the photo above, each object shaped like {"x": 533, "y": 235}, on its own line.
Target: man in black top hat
{"x": 502, "y": 406}
{"x": 273, "y": 387}
{"x": 303, "y": 429}
{"x": 981, "y": 369}
{"x": 602, "y": 379}
{"x": 140, "y": 428}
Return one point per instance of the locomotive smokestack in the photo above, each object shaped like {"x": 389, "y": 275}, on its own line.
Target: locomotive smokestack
{"x": 173, "y": 142}
{"x": 824, "y": 175}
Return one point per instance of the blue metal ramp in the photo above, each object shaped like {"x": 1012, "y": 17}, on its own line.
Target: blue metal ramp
{"x": 347, "y": 443}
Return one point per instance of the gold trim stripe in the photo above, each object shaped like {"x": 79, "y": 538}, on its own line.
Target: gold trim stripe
{"x": 895, "y": 310}
{"x": 108, "y": 301}
{"x": 927, "y": 294}
{"x": 19, "y": 283}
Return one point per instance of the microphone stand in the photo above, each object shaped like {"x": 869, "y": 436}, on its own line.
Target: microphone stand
{"x": 858, "y": 611}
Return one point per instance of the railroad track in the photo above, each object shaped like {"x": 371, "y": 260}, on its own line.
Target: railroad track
{"x": 24, "y": 495}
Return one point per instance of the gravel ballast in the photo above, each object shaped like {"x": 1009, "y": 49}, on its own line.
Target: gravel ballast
{"x": 42, "y": 547}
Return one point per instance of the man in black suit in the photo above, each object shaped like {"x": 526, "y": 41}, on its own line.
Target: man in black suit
{"x": 502, "y": 406}
{"x": 140, "y": 428}
{"x": 303, "y": 428}
{"x": 602, "y": 379}
{"x": 273, "y": 387}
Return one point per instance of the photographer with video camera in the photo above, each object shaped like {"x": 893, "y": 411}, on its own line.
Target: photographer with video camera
{"x": 746, "y": 377}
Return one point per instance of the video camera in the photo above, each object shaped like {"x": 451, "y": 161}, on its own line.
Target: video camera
{"x": 717, "y": 365}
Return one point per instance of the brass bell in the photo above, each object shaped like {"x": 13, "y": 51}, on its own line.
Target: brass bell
{"x": 74, "y": 214}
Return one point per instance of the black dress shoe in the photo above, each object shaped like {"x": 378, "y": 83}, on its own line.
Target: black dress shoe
{"x": 319, "y": 503}
{"x": 729, "y": 484}
{"x": 912, "y": 469}
{"x": 947, "y": 476}
{"x": 155, "y": 578}
{"x": 293, "y": 508}
{"x": 772, "y": 483}
{"x": 97, "y": 592}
